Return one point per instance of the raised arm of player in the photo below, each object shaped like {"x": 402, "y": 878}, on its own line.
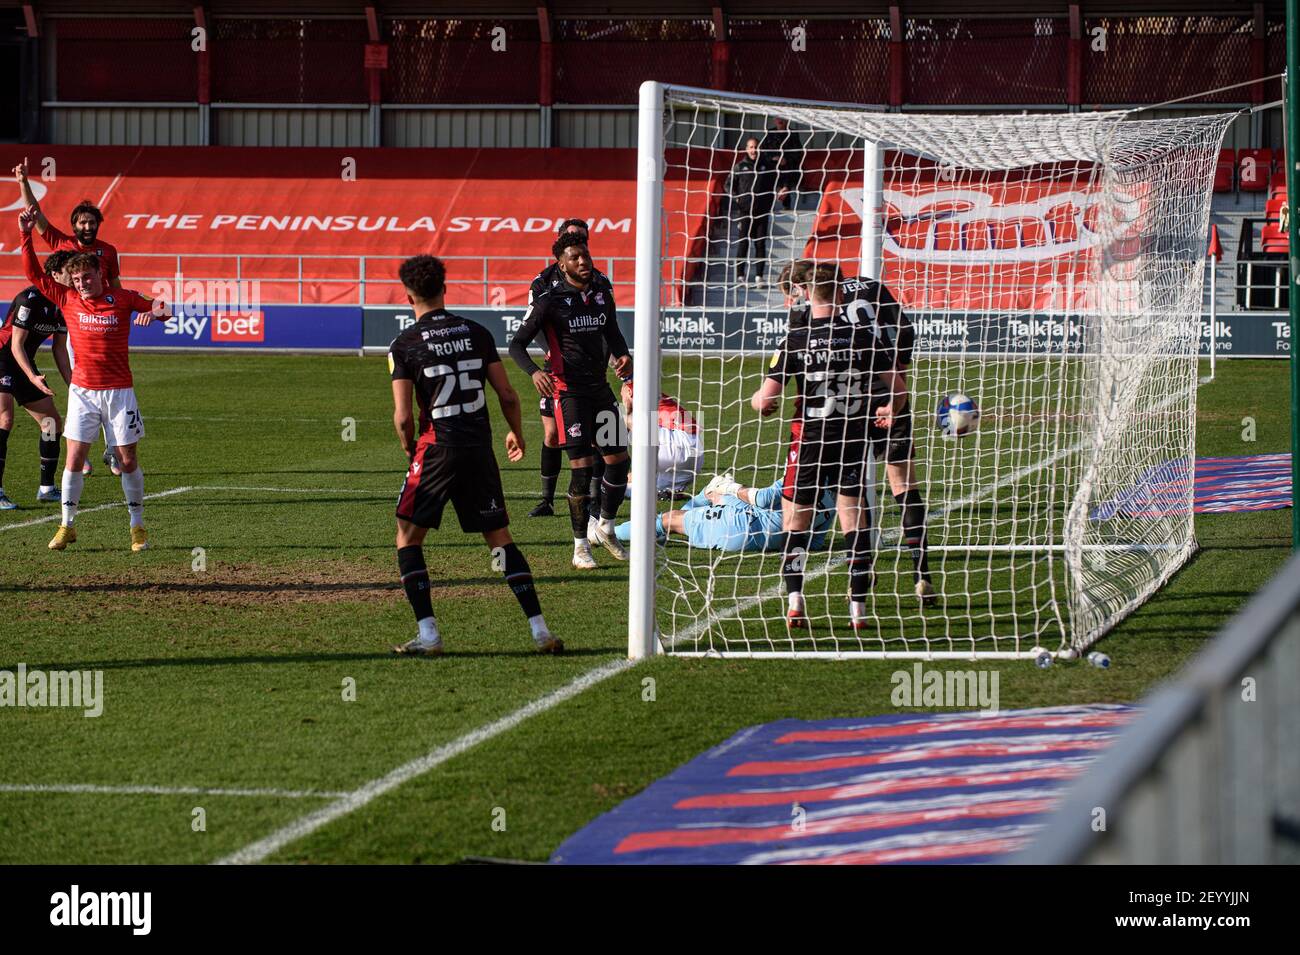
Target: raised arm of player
{"x": 20, "y": 356}
{"x": 510, "y": 408}
{"x": 528, "y": 330}
{"x": 29, "y": 197}
{"x": 51, "y": 289}
{"x": 403, "y": 418}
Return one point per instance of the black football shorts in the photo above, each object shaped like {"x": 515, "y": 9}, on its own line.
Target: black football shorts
{"x": 466, "y": 476}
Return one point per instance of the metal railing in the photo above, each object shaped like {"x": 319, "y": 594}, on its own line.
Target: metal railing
{"x": 1262, "y": 278}
{"x": 359, "y": 279}
{"x": 1210, "y": 771}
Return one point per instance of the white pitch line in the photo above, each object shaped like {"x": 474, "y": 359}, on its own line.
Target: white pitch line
{"x": 259, "y": 850}
{"x": 91, "y": 510}
{"x": 77, "y": 788}
{"x": 188, "y": 488}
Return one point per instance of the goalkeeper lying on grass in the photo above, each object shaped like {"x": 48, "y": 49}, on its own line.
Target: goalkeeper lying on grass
{"x": 729, "y": 517}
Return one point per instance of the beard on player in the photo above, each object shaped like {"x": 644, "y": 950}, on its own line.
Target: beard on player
{"x": 86, "y": 219}
{"x": 574, "y": 260}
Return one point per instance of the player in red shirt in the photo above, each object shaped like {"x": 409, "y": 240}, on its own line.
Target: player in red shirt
{"x": 86, "y": 220}
{"x": 101, "y": 393}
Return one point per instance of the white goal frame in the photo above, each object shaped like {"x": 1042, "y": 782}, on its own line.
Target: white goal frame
{"x": 643, "y": 636}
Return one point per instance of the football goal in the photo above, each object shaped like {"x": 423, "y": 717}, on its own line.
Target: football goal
{"x": 1050, "y": 267}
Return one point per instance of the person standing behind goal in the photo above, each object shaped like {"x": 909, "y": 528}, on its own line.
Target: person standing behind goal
{"x": 446, "y": 360}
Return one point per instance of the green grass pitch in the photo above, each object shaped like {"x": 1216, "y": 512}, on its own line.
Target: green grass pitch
{"x": 224, "y": 689}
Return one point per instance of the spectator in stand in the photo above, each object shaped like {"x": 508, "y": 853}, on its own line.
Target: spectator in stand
{"x": 751, "y": 192}
{"x": 783, "y": 147}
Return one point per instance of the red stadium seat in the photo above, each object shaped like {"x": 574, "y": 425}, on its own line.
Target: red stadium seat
{"x": 1254, "y": 166}
{"x": 1273, "y": 239}
{"x": 1223, "y": 170}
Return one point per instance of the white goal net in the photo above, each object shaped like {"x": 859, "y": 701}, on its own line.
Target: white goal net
{"x": 1050, "y": 267}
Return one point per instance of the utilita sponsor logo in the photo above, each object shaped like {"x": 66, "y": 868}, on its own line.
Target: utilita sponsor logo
{"x": 235, "y": 327}
{"x": 134, "y": 909}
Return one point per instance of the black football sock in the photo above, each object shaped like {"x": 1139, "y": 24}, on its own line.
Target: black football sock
{"x": 4, "y": 450}
{"x": 415, "y": 580}
{"x": 861, "y": 559}
{"x": 550, "y": 472}
{"x": 914, "y": 530}
{"x": 794, "y": 557}
{"x": 519, "y": 578}
{"x": 613, "y": 489}
{"x": 579, "y": 482}
{"x": 594, "y": 489}
{"x": 49, "y": 451}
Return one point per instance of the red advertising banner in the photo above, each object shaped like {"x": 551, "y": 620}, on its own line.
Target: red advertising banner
{"x": 299, "y": 221}
{"x": 963, "y": 240}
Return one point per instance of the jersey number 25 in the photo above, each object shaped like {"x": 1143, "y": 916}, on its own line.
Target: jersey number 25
{"x": 468, "y": 387}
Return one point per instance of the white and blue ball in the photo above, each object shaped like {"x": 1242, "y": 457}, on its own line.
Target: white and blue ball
{"x": 958, "y": 416}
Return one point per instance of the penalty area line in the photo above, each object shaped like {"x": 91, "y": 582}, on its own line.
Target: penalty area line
{"x": 258, "y": 851}
{"x": 190, "y": 488}
{"x": 91, "y": 510}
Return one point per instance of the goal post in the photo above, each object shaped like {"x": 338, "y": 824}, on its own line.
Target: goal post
{"x": 1051, "y": 267}
{"x": 642, "y": 636}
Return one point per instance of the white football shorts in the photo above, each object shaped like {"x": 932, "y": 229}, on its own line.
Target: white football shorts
{"x": 113, "y": 409}
{"x": 680, "y": 458}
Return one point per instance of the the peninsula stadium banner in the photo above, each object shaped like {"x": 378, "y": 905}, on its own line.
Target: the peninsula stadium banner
{"x": 692, "y": 330}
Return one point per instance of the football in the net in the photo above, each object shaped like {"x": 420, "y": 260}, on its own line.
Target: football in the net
{"x": 958, "y": 416}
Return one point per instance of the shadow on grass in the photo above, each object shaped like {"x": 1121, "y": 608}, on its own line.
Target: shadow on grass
{"x": 454, "y": 652}
{"x": 235, "y": 587}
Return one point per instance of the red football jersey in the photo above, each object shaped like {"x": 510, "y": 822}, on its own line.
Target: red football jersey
{"x": 99, "y": 328}
{"x": 62, "y": 242}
